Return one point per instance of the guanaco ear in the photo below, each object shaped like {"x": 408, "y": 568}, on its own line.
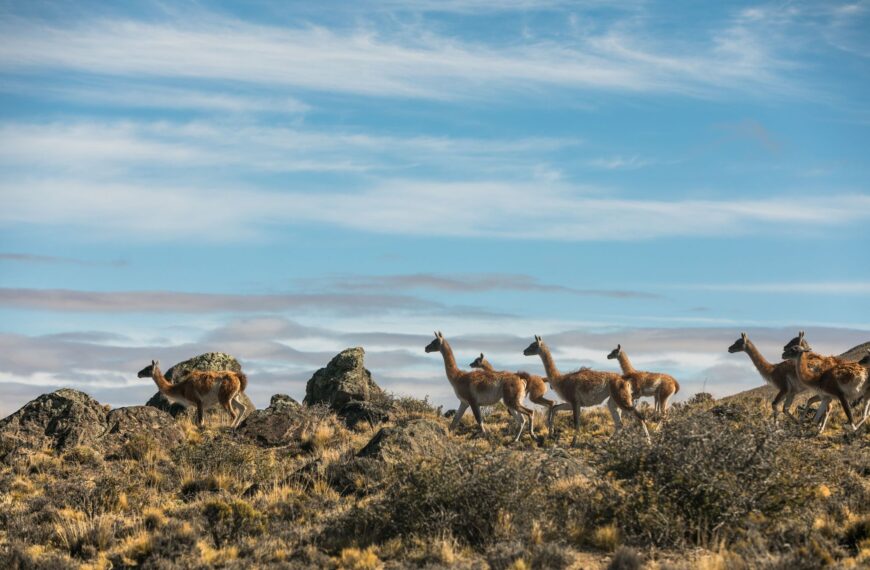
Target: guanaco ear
{"x": 743, "y": 335}
{"x": 801, "y": 335}
{"x": 619, "y": 348}
{"x": 153, "y": 363}
{"x": 440, "y": 335}
{"x": 481, "y": 356}
{"x": 538, "y": 338}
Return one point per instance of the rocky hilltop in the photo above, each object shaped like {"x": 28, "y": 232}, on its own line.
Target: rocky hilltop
{"x": 355, "y": 478}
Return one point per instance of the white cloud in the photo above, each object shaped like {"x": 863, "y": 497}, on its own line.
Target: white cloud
{"x": 419, "y": 65}
{"x": 810, "y": 288}
{"x": 475, "y": 209}
{"x": 110, "y": 146}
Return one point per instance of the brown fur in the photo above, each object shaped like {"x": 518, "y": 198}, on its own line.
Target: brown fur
{"x": 585, "y": 387}
{"x": 781, "y": 376}
{"x": 656, "y": 384}
{"x": 194, "y": 386}
{"x": 478, "y": 388}
{"x": 842, "y": 381}
{"x": 536, "y": 386}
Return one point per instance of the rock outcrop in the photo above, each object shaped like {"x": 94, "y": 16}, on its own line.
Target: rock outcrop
{"x": 274, "y": 426}
{"x": 346, "y": 386}
{"x": 59, "y": 420}
{"x": 209, "y": 362}
{"x": 68, "y": 418}
{"x": 414, "y": 437}
{"x": 125, "y": 424}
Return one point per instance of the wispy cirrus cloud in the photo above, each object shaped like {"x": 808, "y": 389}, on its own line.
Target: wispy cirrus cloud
{"x": 474, "y": 209}
{"x": 464, "y": 283}
{"x": 108, "y": 146}
{"x": 784, "y": 288}
{"x": 414, "y": 65}
{"x": 57, "y": 260}
{"x": 66, "y": 300}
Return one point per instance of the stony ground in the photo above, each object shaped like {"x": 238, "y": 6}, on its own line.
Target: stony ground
{"x": 720, "y": 487}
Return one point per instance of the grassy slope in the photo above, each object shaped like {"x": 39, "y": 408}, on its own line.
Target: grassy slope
{"x": 720, "y": 487}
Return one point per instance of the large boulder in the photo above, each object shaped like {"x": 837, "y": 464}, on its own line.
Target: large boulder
{"x": 346, "y": 386}
{"x": 126, "y": 424}
{"x": 367, "y": 470}
{"x": 59, "y": 420}
{"x": 410, "y": 438}
{"x": 208, "y": 362}
{"x": 274, "y": 426}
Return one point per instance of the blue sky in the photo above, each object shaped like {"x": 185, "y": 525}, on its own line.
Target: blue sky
{"x": 282, "y": 180}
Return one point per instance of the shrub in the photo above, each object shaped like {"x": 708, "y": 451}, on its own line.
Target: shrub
{"x": 625, "y": 559}
{"x": 83, "y": 538}
{"x": 228, "y": 522}
{"x": 104, "y": 495}
{"x": 712, "y": 475}
{"x": 83, "y": 455}
{"x": 141, "y": 447}
{"x": 461, "y": 492}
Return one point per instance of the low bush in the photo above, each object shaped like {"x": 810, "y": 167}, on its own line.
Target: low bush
{"x": 227, "y": 522}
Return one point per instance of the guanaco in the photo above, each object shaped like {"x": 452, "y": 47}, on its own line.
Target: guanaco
{"x": 478, "y": 388}
{"x": 586, "y": 387}
{"x": 202, "y": 389}
{"x": 844, "y": 381}
{"x": 660, "y": 386}
{"x": 536, "y": 386}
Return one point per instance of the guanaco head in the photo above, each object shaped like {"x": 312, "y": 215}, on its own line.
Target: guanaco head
{"x": 615, "y": 352}
{"x": 148, "y": 371}
{"x": 739, "y": 344}
{"x": 799, "y": 339}
{"x": 795, "y": 347}
{"x": 435, "y": 345}
{"x": 535, "y": 347}
{"x": 479, "y": 362}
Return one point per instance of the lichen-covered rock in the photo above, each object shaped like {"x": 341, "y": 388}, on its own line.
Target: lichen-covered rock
{"x": 556, "y": 465}
{"x": 208, "y": 362}
{"x": 346, "y": 386}
{"x": 59, "y": 420}
{"x": 411, "y": 438}
{"x": 125, "y": 424}
{"x": 274, "y": 426}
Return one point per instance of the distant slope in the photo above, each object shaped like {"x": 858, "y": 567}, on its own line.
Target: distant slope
{"x": 856, "y": 353}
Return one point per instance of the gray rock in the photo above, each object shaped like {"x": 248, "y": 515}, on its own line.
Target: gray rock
{"x": 413, "y": 437}
{"x": 124, "y": 424}
{"x": 346, "y": 386}
{"x": 59, "y": 420}
{"x": 208, "y": 362}
{"x": 274, "y": 426}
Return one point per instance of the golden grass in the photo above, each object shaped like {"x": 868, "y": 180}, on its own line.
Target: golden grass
{"x": 357, "y": 559}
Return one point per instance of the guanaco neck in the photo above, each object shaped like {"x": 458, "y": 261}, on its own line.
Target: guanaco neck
{"x": 625, "y": 363}
{"x": 162, "y": 383}
{"x": 485, "y": 365}
{"x": 804, "y": 373}
{"x": 764, "y": 367}
{"x": 549, "y": 365}
{"x": 449, "y": 361}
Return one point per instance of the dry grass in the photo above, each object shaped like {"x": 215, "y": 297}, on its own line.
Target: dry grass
{"x": 718, "y": 488}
